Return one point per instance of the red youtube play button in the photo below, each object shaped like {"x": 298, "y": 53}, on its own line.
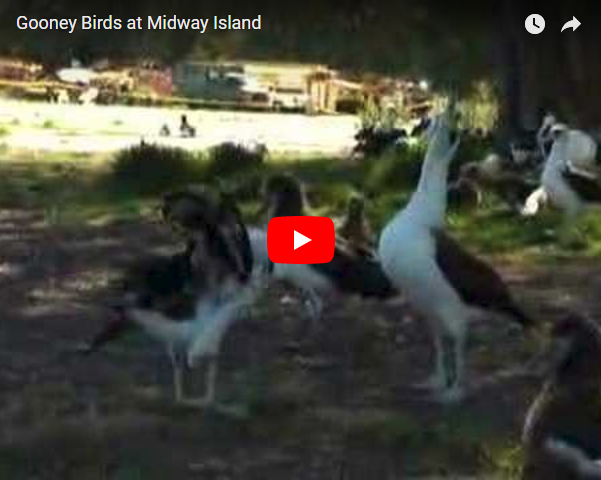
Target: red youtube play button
{"x": 301, "y": 239}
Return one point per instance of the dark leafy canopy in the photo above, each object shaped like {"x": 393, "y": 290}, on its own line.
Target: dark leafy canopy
{"x": 457, "y": 41}
{"x": 375, "y": 35}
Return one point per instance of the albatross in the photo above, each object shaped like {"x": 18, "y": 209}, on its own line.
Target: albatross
{"x": 441, "y": 280}
{"x": 188, "y": 300}
{"x": 562, "y": 431}
{"x": 350, "y": 271}
{"x": 566, "y": 185}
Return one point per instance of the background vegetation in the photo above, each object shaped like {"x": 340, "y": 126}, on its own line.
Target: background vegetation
{"x": 461, "y": 42}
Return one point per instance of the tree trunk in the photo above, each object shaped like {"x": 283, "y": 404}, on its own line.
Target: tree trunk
{"x": 509, "y": 68}
{"x": 555, "y": 71}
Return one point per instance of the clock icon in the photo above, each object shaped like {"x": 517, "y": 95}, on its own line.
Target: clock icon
{"x": 535, "y": 24}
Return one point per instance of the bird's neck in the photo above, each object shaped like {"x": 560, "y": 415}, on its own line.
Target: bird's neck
{"x": 429, "y": 201}
{"x": 558, "y": 155}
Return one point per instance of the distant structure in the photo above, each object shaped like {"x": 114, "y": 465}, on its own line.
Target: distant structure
{"x": 311, "y": 88}
{"x": 13, "y": 69}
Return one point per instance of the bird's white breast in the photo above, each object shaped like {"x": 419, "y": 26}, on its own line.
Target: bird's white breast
{"x": 408, "y": 254}
{"x": 405, "y": 248}
{"x": 557, "y": 188}
{"x": 258, "y": 243}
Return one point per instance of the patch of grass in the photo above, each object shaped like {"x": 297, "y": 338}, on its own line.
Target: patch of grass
{"x": 456, "y": 443}
{"x": 494, "y": 231}
{"x": 394, "y": 170}
{"x": 230, "y": 158}
{"x": 373, "y": 427}
{"x": 148, "y": 169}
{"x": 126, "y": 186}
{"x": 331, "y": 197}
{"x": 506, "y": 459}
{"x": 67, "y": 188}
{"x": 591, "y": 233}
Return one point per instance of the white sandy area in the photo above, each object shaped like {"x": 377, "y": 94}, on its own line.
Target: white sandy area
{"x": 93, "y": 128}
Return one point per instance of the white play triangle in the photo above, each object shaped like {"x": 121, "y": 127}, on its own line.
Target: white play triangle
{"x": 300, "y": 240}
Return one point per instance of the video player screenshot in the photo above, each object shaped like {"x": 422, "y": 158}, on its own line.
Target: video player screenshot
{"x": 300, "y": 241}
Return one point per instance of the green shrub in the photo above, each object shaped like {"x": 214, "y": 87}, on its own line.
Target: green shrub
{"x": 374, "y": 115}
{"x": 480, "y": 109}
{"x": 369, "y": 113}
{"x": 236, "y": 169}
{"x": 395, "y": 170}
{"x": 333, "y": 194}
{"x": 231, "y": 158}
{"x": 151, "y": 169}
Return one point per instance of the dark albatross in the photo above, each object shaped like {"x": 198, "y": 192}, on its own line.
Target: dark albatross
{"x": 351, "y": 271}
{"x": 562, "y": 431}
{"x": 188, "y": 300}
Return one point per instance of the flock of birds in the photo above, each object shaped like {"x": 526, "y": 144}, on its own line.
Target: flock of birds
{"x": 188, "y": 301}
{"x": 556, "y": 165}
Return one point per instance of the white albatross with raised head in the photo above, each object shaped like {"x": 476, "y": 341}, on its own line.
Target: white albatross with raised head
{"x": 439, "y": 278}
{"x": 567, "y": 186}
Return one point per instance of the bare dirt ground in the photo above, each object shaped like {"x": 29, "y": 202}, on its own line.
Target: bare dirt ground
{"x": 335, "y": 406}
{"x": 92, "y": 128}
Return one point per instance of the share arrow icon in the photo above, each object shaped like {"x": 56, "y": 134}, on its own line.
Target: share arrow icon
{"x": 573, "y": 24}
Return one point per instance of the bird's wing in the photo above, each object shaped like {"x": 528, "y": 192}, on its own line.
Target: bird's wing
{"x": 356, "y": 273}
{"x": 474, "y": 280}
{"x": 229, "y": 244}
{"x": 117, "y": 328}
{"x": 587, "y": 186}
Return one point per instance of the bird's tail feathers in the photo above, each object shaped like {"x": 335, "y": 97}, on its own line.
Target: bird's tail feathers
{"x": 115, "y": 329}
